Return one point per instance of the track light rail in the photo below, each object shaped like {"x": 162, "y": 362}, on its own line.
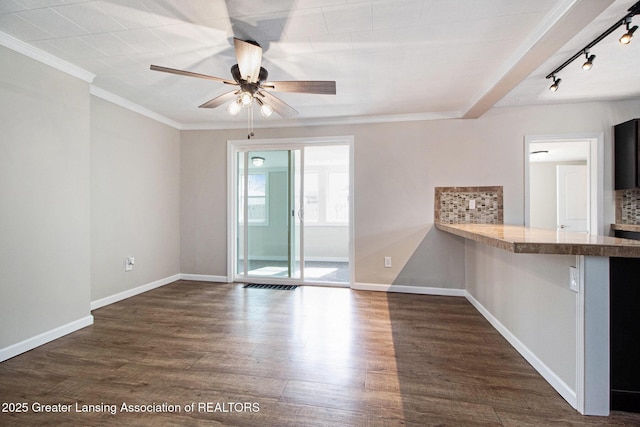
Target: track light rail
{"x": 625, "y": 20}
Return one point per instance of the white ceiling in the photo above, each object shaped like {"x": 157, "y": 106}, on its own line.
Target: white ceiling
{"x": 391, "y": 59}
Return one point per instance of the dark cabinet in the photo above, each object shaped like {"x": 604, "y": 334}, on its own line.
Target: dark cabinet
{"x": 627, "y": 154}
{"x": 624, "y": 294}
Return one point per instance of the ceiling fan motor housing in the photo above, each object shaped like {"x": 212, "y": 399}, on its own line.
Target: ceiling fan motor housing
{"x": 235, "y": 73}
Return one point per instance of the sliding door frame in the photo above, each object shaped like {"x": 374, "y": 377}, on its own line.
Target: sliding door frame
{"x": 244, "y": 145}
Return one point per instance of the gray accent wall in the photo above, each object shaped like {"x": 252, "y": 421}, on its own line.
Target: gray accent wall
{"x": 203, "y": 204}
{"x": 135, "y": 199}
{"x": 44, "y": 199}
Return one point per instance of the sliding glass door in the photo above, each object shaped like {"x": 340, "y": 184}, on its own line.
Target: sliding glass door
{"x": 267, "y": 221}
{"x": 291, "y": 214}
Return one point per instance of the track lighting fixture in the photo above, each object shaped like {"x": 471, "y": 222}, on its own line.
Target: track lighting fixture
{"x": 588, "y": 64}
{"x": 626, "y": 37}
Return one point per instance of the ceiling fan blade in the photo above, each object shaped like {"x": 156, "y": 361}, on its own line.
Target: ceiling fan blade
{"x": 249, "y": 57}
{"x": 191, "y": 74}
{"x": 313, "y": 86}
{"x": 219, "y": 100}
{"x": 278, "y": 105}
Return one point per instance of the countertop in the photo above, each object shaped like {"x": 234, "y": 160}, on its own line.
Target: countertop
{"x": 519, "y": 239}
{"x": 626, "y": 227}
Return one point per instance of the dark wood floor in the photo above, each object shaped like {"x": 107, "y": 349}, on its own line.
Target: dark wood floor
{"x": 309, "y": 357}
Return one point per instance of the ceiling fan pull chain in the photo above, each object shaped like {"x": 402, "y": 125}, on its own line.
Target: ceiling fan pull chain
{"x": 250, "y": 122}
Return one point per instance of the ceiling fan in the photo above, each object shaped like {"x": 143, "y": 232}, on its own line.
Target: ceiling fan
{"x": 251, "y": 80}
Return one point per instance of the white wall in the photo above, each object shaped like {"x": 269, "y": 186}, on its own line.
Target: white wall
{"x": 135, "y": 199}
{"x": 397, "y": 166}
{"x": 44, "y": 195}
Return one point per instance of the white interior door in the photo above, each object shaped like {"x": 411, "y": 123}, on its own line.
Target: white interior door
{"x": 573, "y": 198}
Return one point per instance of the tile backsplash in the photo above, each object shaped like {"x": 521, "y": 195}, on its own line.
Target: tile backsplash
{"x": 628, "y": 206}
{"x": 452, "y": 205}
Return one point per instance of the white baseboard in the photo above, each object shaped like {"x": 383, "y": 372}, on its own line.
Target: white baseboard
{"x": 204, "y": 278}
{"x": 560, "y": 386}
{"x": 43, "y": 338}
{"x": 135, "y": 291}
{"x": 422, "y": 290}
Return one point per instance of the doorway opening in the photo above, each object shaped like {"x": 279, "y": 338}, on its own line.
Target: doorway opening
{"x": 290, "y": 211}
{"x": 563, "y": 182}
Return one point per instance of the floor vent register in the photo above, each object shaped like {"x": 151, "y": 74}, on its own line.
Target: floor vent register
{"x": 276, "y": 287}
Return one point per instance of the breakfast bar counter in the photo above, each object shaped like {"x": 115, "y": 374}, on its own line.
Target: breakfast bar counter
{"x": 519, "y": 239}
{"x": 547, "y": 292}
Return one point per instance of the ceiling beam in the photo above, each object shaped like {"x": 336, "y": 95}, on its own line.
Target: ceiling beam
{"x": 558, "y": 28}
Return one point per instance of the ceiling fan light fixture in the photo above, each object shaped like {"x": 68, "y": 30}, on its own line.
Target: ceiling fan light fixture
{"x": 246, "y": 99}
{"x": 234, "y": 108}
{"x": 265, "y": 109}
{"x": 555, "y": 85}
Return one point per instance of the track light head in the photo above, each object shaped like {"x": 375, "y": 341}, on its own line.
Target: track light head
{"x": 589, "y": 62}
{"x": 555, "y": 85}
{"x": 626, "y": 37}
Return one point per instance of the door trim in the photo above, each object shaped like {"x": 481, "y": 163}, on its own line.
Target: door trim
{"x": 234, "y": 146}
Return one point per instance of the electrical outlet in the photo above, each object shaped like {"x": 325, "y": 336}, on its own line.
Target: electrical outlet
{"x": 387, "y": 262}
{"x": 574, "y": 281}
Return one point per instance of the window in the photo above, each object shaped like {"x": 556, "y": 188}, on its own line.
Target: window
{"x": 326, "y": 196}
{"x": 338, "y": 197}
{"x": 256, "y": 199}
{"x": 311, "y": 197}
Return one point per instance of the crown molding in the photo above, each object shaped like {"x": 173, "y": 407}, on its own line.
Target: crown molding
{"x": 136, "y": 108}
{"x": 39, "y": 55}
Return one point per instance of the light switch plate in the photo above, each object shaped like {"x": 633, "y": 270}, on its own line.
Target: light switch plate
{"x": 472, "y": 204}
{"x": 574, "y": 281}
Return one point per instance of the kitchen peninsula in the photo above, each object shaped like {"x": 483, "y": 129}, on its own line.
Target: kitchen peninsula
{"x": 546, "y": 292}
{"x": 518, "y": 239}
